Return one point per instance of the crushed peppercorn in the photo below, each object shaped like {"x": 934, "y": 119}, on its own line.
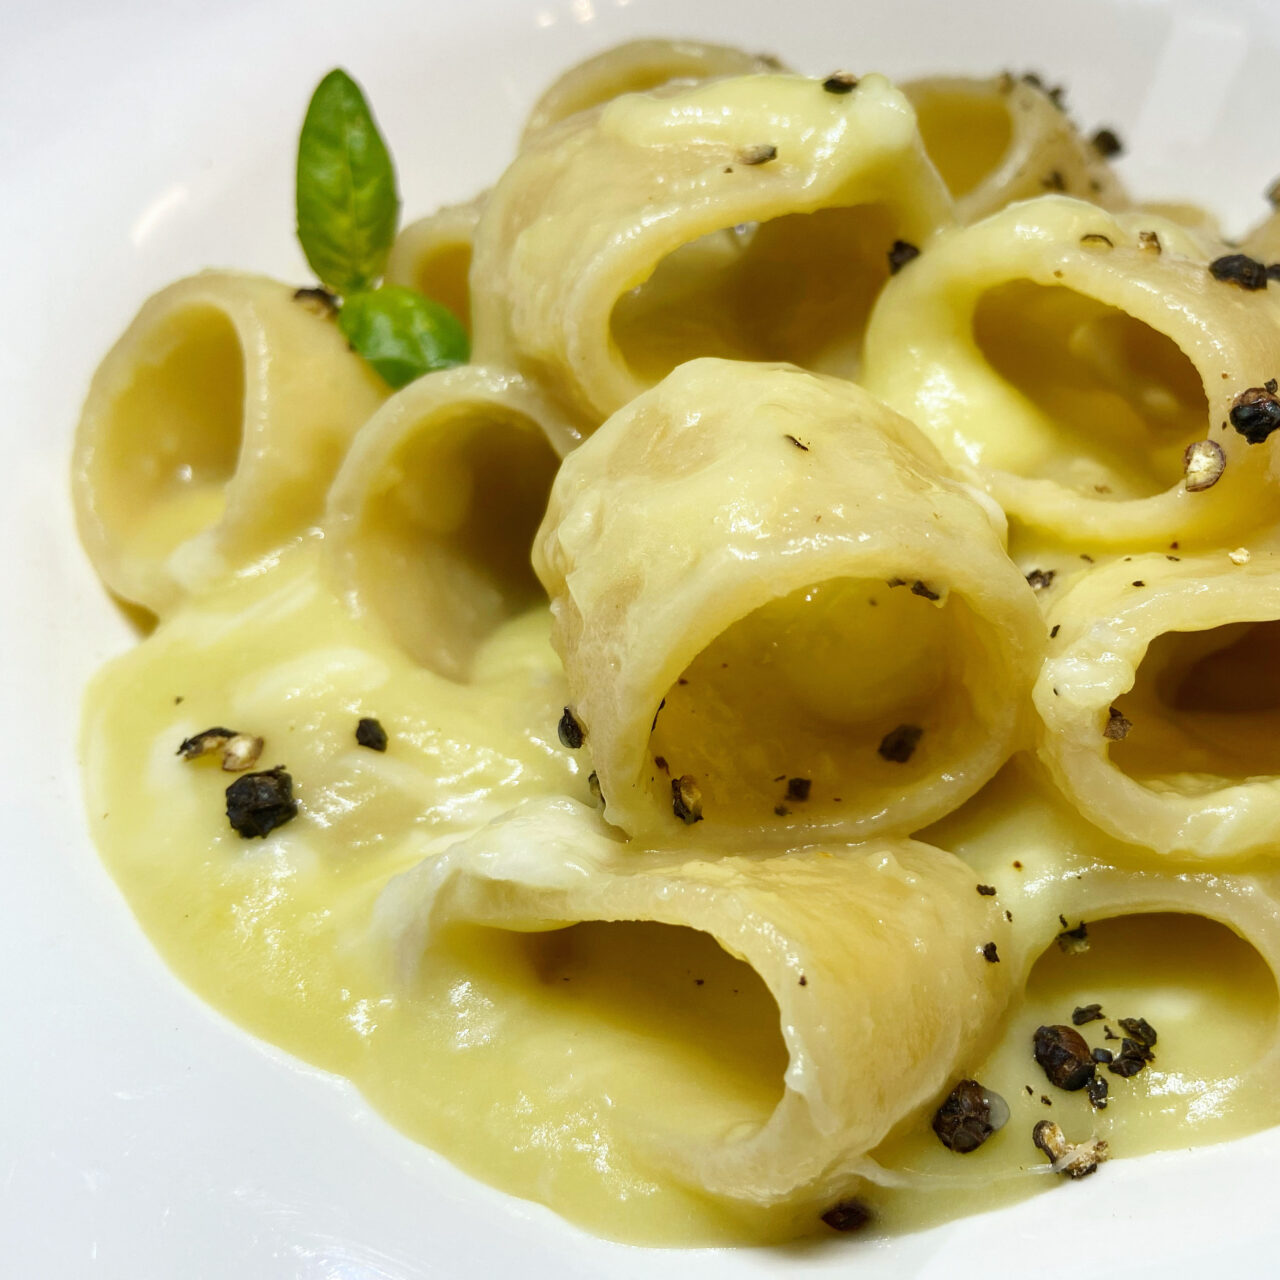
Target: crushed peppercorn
{"x": 968, "y": 1116}
{"x": 1131, "y": 1059}
{"x": 258, "y": 803}
{"x": 899, "y": 745}
{"x": 206, "y": 742}
{"x": 1098, "y": 1089}
{"x": 1255, "y": 413}
{"x": 570, "y": 730}
{"x": 1074, "y": 942}
{"x": 1203, "y": 463}
{"x": 1076, "y": 1160}
{"x": 918, "y": 588}
{"x": 1064, "y": 1055}
{"x": 371, "y": 734}
{"x": 1053, "y": 634}
{"x": 1054, "y": 181}
{"x": 1117, "y": 727}
{"x": 798, "y": 788}
{"x": 1086, "y": 1013}
{"x": 319, "y": 302}
{"x": 990, "y": 954}
{"x": 848, "y": 1215}
{"x": 1040, "y": 579}
{"x": 1141, "y": 1030}
{"x": 900, "y": 253}
{"x": 1106, "y": 142}
{"x": 1149, "y": 242}
{"x": 840, "y": 82}
{"x": 241, "y": 753}
{"x": 1239, "y": 269}
{"x": 987, "y": 890}
{"x": 686, "y": 799}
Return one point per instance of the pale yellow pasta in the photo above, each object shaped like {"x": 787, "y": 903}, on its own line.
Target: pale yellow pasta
{"x": 908, "y": 954}
{"x": 637, "y": 67}
{"x": 711, "y": 220}
{"x": 211, "y": 433}
{"x": 433, "y": 255}
{"x": 430, "y": 520}
{"x": 1072, "y": 356}
{"x": 827, "y": 635}
{"x": 1005, "y": 139}
{"x": 759, "y": 574}
{"x": 1183, "y": 650}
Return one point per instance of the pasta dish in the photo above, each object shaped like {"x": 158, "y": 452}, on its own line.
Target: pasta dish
{"x": 728, "y": 683}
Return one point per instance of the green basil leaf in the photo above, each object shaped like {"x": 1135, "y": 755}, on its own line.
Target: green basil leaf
{"x": 348, "y": 206}
{"x": 402, "y": 334}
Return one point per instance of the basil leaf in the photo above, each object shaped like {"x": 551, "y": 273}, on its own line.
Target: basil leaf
{"x": 402, "y": 334}
{"x": 347, "y": 202}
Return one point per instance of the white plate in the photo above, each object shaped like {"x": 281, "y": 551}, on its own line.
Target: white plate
{"x": 140, "y": 1134}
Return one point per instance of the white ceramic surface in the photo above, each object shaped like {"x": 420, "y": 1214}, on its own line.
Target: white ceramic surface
{"x": 140, "y": 1134}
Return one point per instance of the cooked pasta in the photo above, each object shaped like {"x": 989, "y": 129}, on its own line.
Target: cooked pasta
{"x": 810, "y": 677}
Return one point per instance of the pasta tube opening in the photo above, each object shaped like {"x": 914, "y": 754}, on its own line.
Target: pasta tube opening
{"x": 664, "y": 1018}
{"x": 431, "y": 519}
{"x": 1205, "y": 709}
{"x": 433, "y": 255}
{"x": 838, "y": 697}
{"x": 1201, "y": 993}
{"x": 829, "y": 614}
{"x": 815, "y": 949}
{"x": 169, "y": 435}
{"x": 638, "y": 66}
{"x": 1159, "y": 703}
{"x": 211, "y": 433}
{"x": 762, "y": 291}
{"x": 750, "y": 216}
{"x": 998, "y": 140}
{"x": 1120, "y": 399}
{"x": 966, "y": 130}
{"x": 1074, "y": 357}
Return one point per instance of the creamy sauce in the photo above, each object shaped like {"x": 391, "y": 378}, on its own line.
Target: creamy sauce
{"x": 525, "y": 1059}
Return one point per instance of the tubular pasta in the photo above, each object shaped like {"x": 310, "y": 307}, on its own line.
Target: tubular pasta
{"x": 1073, "y": 367}
{"x": 1004, "y": 139}
{"x": 657, "y": 229}
{"x": 430, "y": 519}
{"x": 638, "y": 67}
{"x": 908, "y": 954}
{"x": 1197, "y": 774}
{"x": 211, "y": 432}
{"x": 433, "y": 255}
{"x": 759, "y": 574}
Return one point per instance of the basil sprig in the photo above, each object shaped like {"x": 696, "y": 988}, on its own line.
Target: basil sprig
{"x": 348, "y": 208}
{"x": 402, "y": 334}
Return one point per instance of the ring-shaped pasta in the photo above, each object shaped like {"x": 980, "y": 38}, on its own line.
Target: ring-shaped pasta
{"x": 211, "y": 432}
{"x": 430, "y": 520}
{"x": 433, "y": 255}
{"x": 639, "y": 66}
{"x": 908, "y": 953}
{"x": 1003, "y": 139}
{"x": 1073, "y": 356}
{"x": 1159, "y": 706}
{"x": 751, "y": 217}
{"x": 768, "y": 589}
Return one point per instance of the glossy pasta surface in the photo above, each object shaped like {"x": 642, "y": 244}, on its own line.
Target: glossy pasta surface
{"x": 822, "y": 644}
